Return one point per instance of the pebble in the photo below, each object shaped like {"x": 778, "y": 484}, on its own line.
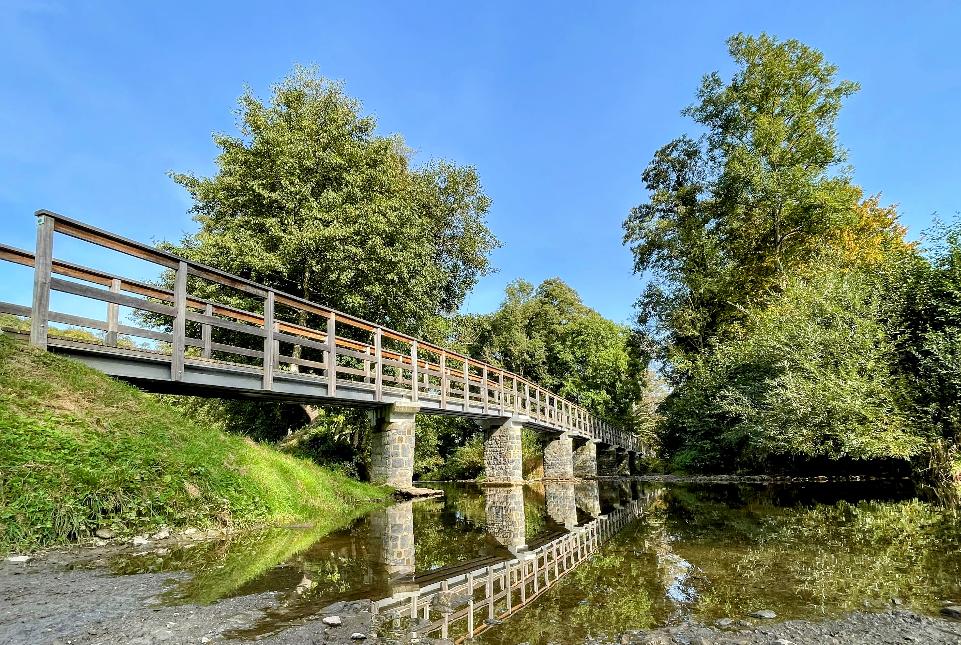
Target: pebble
{"x": 140, "y": 540}
{"x": 357, "y": 636}
{"x": 105, "y": 534}
{"x": 333, "y": 621}
{"x": 19, "y": 558}
{"x": 767, "y": 614}
{"x": 162, "y": 534}
{"x": 724, "y": 622}
{"x": 952, "y": 611}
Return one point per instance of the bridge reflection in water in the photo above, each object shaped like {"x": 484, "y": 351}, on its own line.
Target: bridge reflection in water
{"x": 461, "y": 601}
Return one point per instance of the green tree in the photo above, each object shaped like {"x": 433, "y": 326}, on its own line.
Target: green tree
{"x": 731, "y": 215}
{"x": 309, "y": 199}
{"x": 546, "y": 334}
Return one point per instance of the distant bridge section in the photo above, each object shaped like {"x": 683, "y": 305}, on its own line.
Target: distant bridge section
{"x": 282, "y": 347}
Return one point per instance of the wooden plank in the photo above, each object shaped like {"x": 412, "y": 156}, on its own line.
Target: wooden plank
{"x": 113, "y": 315}
{"x": 293, "y": 360}
{"x": 77, "y": 289}
{"x": 16, "y": 310}
{"x": 269, "y": 359}
{"x": 78, "y": 321}
{"x": 444, "y": 380}
{"x": 206, "y": 331}
{"x": 42, "y": 267}
{"x": 415, "y": 386}
{"x": 379, "y": 367}
{"x": 332, "y": 356}
{"x": 303, "y": 342}
{"x": 180, "y": 321}
{"x": 225, "y": 324}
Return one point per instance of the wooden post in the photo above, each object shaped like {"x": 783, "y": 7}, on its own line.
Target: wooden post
{"x": 42, "y": 267}
{"x": 206, "y": 332}
{"x": 268, "y": 382}
{"x": 514, "y": 406}
{"x": 332, "y": 354}
{"x": 113, "y": 315}
{"x": 527, "y": 398}
{"x": 484, "y": 392}
{"x": 444, "y": 381}
{"x": 180, "y": 324}
{"x": 414, "y": 380}
{"x": 367, "y": 365}
{"x": 379, "y": 366}
{"x": 466, "y": 384}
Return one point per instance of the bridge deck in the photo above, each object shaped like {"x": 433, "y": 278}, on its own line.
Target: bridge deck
{"x": 255, "y": 349}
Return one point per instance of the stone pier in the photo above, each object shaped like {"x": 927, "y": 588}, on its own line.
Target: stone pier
{"x": 392, "y": 446}
{"x": 611, "y": 461}
{"x": 392, "y": 538}
{"x": 503, "y": 460}
{"x": 584, "y": 458}
{"x": 505, "y": 516}
{"x": 587, "y": 496}
{"x": 558, "y": 457}
{"x": 561, "y": 502}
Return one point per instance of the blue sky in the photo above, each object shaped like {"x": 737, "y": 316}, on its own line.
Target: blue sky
{"x": 558, "y": 105}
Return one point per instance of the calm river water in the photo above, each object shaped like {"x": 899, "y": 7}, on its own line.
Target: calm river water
{"x": 663, "y": 554}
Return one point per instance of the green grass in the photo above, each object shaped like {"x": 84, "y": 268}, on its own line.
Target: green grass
{"x": 79, "y": 451}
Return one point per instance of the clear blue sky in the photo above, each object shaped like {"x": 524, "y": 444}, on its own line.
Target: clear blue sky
{"x": 558, "y": 105}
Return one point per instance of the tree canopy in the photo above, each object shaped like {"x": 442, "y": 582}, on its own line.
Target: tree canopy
{"x": 309, "y": 199}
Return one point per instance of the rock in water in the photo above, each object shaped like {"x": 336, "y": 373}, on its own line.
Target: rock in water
{"x": 357, "y": 636}
{"x": 767, "y": 614}
{"x": 724, "y": 622}
{"x": 105, "y": 534}
{"x": 333, "y": 621}
{"x": 952, "y": 611}
{"x": 19, "y": 558}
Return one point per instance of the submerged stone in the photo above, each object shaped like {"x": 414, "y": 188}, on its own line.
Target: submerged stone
{"x": 766, "y": 614}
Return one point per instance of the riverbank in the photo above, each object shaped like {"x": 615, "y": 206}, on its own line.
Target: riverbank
{"x": 860, "y": 628}
{"x": 83, "y": 457}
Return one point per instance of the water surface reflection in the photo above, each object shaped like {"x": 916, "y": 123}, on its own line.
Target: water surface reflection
{"x": 563, "y": 561}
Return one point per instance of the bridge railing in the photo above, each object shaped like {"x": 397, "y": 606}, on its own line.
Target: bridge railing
{"x": 466, "y": 605}
{"x": 278, "y": 334}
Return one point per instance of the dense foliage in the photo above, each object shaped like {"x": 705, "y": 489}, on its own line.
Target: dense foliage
{"x": 795, "y": 325}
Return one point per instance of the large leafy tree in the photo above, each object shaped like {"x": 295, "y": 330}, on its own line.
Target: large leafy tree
{"x": 309, "y": 199}
{"x": 733, "y": 213}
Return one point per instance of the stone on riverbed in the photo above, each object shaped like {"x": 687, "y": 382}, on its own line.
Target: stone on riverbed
{"x": 766, "y": 614}
{"x": 357, "y": 636}
{"x": 952, "y": 611}
{"x": 19, "y": 558}
{"x": 333, "y": 621}
{"x": 105, "y": 534}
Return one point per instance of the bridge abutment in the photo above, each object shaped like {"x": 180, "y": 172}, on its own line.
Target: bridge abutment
{"x": 392, "y": 538}
{"x": 503, "y": 458}
{"x": 559, "y": 457}
{"x": 392, "y": 446}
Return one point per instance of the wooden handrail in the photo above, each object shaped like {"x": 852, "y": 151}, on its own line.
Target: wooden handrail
{"x": 499, "y": 389}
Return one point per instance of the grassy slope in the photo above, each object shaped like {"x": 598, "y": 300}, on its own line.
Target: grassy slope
{"x": 79, "y": 451}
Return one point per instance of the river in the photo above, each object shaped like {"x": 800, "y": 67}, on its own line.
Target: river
{"x": 565, "y": 562}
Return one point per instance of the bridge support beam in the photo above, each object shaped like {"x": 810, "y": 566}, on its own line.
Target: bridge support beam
{"x": 559, "y": 457}
{"x": 503, "y": 459}
{"x": 633, "y": 463}
{"x": 584, "y": 458}
{"x": 392, "y": 446}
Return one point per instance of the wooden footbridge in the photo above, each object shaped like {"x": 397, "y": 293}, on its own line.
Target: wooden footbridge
{"x": 286, "y": 348}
